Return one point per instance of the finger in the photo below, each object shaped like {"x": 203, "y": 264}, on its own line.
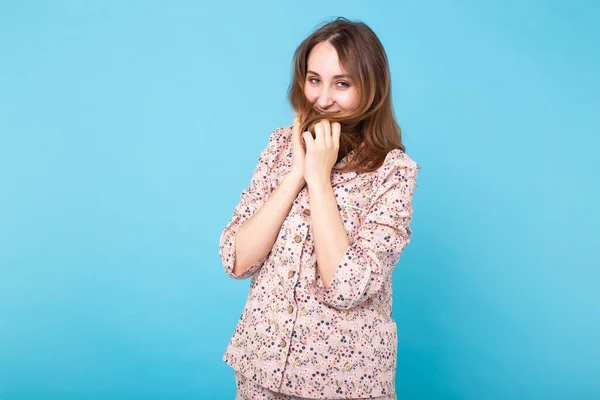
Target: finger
{"x": 308, "y": 139}
{"x": 296, "y": 133}
{"x": 319, "y": 134}
{"x": 297, "y": 120}
{"x": 327, "y": 132}
{"x": 336, "y": 130}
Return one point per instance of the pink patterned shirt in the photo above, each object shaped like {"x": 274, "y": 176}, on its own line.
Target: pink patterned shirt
{"x": 296, "y": 337}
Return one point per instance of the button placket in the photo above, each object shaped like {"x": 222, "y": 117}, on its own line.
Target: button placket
{"x": 298, "y": 238}
{"x": 292, "y": 274}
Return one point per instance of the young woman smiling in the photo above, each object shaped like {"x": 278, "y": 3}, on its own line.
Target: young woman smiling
{"x": 320, "y": 228}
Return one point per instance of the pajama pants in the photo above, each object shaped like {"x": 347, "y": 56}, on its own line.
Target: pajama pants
{"x": 248, "y": 390}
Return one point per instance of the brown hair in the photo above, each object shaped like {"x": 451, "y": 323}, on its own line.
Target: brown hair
{"x": 371, "y": 131}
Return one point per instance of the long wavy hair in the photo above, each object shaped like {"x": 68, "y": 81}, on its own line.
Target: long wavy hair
{"x": 371, "y": 130}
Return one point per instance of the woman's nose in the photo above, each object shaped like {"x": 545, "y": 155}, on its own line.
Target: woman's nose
{"x": 324, "y": 99}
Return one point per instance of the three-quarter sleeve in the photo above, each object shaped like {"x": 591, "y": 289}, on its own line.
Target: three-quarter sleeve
{"x": 251, "y": 199}
{"x": 369, "y": 260}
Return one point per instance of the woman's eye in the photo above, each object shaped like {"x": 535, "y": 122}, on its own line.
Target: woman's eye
{"x": 316, "y": 81}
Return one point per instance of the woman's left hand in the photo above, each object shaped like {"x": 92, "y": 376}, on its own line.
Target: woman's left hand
{"x": 321, "y": 152}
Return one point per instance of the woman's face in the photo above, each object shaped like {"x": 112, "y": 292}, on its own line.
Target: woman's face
{"x": 327, "y": 88}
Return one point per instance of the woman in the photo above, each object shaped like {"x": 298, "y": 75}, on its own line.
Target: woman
{"x": 320, "y": 228}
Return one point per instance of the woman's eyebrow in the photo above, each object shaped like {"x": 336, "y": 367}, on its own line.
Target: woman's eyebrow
{"x": 334, "y": 77}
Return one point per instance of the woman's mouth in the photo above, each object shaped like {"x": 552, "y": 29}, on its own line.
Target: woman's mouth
{"x": 325, "y": 112}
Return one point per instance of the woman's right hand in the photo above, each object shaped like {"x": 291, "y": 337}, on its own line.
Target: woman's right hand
{"x": 298, "y": 152}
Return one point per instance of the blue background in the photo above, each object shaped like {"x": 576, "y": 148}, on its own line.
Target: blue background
{"x": 129, "y": 128}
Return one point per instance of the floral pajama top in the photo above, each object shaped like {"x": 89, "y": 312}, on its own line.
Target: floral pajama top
{"x": 296, "y": 337}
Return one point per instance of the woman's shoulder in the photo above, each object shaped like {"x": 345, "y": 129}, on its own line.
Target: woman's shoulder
{"x": 281, "y": 135}
{"x": 397, "y": 159}
{"x": 279, "y": 141}
{"x": 397, "y": 170}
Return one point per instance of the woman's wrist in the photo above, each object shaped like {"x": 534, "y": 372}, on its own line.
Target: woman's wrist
{"x": 297, "y": 179}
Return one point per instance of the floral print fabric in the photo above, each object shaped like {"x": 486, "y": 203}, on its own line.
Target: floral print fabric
{"x": 246, "y": 389}
{"x": 295, "y": 336}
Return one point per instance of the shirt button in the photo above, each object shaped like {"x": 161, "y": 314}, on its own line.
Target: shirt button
{"x": 282, "y": 343}
{"x": 298, "y": 239}
{"x": 290, "y": 309}
{"x": 291, "y": 274}
{"x": 307, "y": 212}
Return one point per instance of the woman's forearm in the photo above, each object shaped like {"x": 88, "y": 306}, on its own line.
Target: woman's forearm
{"x": 329, "y": 234}
{"x": 255, "y": 238}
